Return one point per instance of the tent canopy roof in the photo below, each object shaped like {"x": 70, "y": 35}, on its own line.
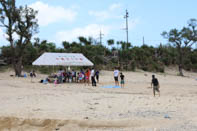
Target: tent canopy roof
{"x": 62, "y": 59}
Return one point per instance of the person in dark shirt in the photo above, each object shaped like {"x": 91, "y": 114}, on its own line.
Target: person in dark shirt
{"x": 122, "y": 80}
{"x": 155, "y": 85}
{"x": 97, "y": 76}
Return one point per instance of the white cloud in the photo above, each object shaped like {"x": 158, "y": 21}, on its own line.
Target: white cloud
{"x": 2, "y": 38}
{"x": 91, "y": 30}
{"x": 115, "y": 6}
{"x": 48, "y": 14}
{"x": 133, "y": 23}
{"x": 106, "y": 14}
{"x": 100, "y": 14}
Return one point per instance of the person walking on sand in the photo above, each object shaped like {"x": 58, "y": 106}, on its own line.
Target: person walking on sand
{"x": 116, "y": 74}
{"x": 155, "y": 85}
{"x": 122, "y": 80}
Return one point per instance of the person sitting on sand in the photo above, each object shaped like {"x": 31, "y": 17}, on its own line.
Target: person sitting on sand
{"x": 116, "y": 74}
{"x": 122, "y": 80}
{"x": 155, "y": 84}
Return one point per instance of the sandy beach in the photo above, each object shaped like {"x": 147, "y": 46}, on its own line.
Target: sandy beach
{"x": 33, "y": 106}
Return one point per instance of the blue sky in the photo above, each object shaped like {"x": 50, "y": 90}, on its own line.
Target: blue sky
{"x": 61, "y": 20}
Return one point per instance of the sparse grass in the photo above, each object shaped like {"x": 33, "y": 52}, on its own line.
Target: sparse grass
{"x": 4, "y": 68}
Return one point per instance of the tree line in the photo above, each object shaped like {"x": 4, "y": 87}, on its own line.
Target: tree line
{"x": 127, "y": 57}
{"x": 23, "y": 51}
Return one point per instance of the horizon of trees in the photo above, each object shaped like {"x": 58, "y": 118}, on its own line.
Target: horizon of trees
{"x": 147, "y": 58}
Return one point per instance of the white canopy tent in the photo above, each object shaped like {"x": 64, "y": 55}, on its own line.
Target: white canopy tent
{"x": 62, "y": 59}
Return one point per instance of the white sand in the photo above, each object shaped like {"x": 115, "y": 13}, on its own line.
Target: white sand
{"x": 27, "y": 106}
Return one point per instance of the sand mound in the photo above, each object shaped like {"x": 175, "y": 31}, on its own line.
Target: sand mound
{"x": 13, "y": 123}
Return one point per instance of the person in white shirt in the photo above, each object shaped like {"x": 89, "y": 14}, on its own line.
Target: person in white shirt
{"x": 92, "y": 74}
{"x": 116, "y": 74}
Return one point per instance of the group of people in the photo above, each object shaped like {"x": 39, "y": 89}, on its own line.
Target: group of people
{"x": 67, "y": 76}
{"x": 154, "y": 83}
{"x": 91, "y": 75}
{"x": 116, "y": 75}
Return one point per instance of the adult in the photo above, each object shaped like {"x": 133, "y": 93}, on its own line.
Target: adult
{"x": 116, "y": 74}
{"x": 155, "y": 84}
{"x": 74, "y": 75}
{"x": 87, "y": 78}
{"x": 60, "y": 76}
{"x": 97, "y": 76}
{"x": 92, "y": 74}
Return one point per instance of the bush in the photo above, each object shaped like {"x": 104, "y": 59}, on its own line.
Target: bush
{"x": 45, "y": 70}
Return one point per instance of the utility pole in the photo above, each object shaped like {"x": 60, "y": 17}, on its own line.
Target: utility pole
{"x": 127, "y": 32}
{"x": 127, "y": 35}
{"x": 100, "y": 37}
{"x": 143, "y": 41}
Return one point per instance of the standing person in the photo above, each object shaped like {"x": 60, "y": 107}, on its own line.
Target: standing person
{"x": 155, "y": 84}
{"x": 116, "y": 74}
{"x": 32, "y": 74}
{"x": 59, "y": 75}
{"x": 87, "y": 78}
{"x": 92, "y": 77}
{"x": 73, "y": 75}
{"x": 97, "y": 76}
{"x": 89, "y": 73}
{"x": 77, "y": 77}
{"x": 122, "y": 80}
{"x": 80, "y": 77}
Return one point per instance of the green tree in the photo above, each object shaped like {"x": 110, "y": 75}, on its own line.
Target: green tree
{"x": 182, "y": 39}
{"x": 22, "y": 22}
{"x": 110, "y": 42}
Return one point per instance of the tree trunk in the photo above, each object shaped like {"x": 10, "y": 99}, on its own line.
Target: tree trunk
{"x": 180, "y": 62}
{"x": 18, "y": 67}
{"x": 180, "y": 70}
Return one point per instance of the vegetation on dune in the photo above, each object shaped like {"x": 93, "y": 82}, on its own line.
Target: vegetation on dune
{"x": 22, "y": 51}
{"x": 147, "y": 58}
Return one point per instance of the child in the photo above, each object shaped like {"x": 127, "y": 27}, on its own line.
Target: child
{"x": 122, "y": 80}
{"x": 32, "y": 74}
{"x": 155, "y": 84}
{"x": 80, "y": 77}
